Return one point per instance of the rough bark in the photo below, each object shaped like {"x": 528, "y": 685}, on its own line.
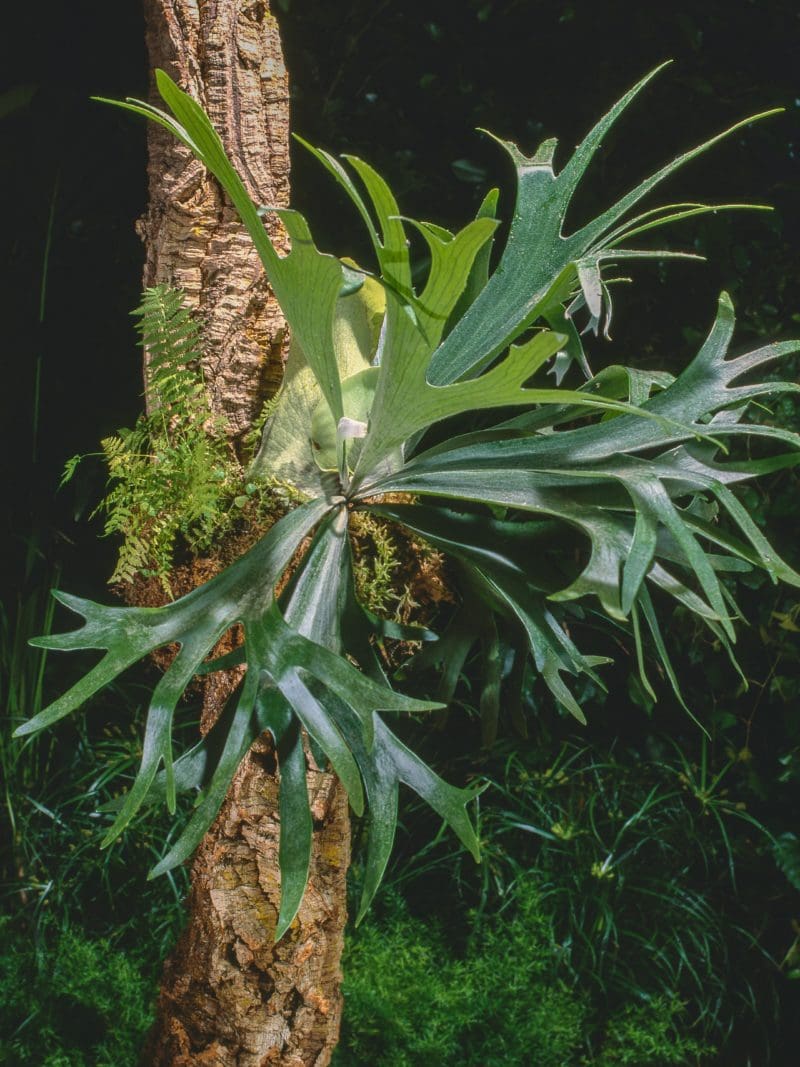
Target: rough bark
{"x": 227, "y": 54}
{"x": 230, "y": 996}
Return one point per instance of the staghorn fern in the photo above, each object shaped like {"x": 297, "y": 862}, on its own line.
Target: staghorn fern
{"x": 635, "y": 465}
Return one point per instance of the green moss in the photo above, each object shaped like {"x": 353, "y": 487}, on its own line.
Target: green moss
{"x": 374, "y": 565}
{"x": 69, "y": 1001}
{"x": 412, "y": 1001}
{"x": 649, "y": 1035}
{"x": 409, "y": 1001}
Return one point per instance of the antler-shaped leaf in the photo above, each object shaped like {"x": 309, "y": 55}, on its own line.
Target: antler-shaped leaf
{"x": 304, "y": 269}
{"x": 595, "y": 479}
{"x": 322, "y": 601}
{"x": 243, "y": 591}
{"x": 539, "y": 264}
{"x": 278, "y": 660}
{"x": 505, "y": 571}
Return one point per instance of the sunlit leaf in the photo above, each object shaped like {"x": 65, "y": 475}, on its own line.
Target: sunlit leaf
{"x": 604, "y": 501}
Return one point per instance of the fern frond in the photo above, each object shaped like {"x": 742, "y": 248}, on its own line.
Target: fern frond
{"x": 172, "y": 474}
{"x": 170, "y": 334}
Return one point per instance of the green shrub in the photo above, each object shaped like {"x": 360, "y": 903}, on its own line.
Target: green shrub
{"x": 410, "y": 1001}
{"x": 69, "y": 1001}
{"x": 648, "y": 869}
{"x": 647, "y": 1035}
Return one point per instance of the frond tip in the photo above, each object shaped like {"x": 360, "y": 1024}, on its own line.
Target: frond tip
{"x": 576, "y": 502}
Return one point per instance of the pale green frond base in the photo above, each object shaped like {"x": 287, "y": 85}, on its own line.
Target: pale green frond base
{"x": 435, "y": 410}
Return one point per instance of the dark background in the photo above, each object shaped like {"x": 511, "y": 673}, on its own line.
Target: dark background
{"x": 404, "y": 85}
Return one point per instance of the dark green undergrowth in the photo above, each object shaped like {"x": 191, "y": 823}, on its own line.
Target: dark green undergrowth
{"x": 70, "y": 1000}
{"x": 618, "y": 917}
{"x": 82, "y": 932}
{"x": 55, "y": 790}
{"x": 410, "y": 1001}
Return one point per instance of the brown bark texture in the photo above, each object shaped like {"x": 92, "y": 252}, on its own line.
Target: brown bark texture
{"x": 227, "y": 55}
{"x": 230, "y": 996}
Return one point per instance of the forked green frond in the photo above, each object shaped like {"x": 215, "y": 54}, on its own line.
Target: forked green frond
{"x": 538, "y": 251}
{"x": 604, "y": 502}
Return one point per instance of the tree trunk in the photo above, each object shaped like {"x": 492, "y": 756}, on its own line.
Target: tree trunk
{"x": 230, "y": 996}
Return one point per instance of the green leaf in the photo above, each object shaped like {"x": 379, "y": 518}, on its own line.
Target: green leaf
{"x": 336, "y": 705}
{"x": 391, "y": 763}
{"x": 291, "y": 276}
{"x": 287, "y": 448}
{"x": 197, "y": 620}
{"x": 294, "y": 851}
{"x": 404, "y": 401}
{"x": 787, "y": 856}
{"x": 388, "y": 236}
{"x": 358, "y": 393}
{"x": 158, "y": 738}
{"x": 479, "y": 272}
{"x": 540, "y": 261}
{"x": 498, "y": 554}
{"x": 575, "y": 476}
{"x": 257, "y": 708}
{"x": 327, "y": 734}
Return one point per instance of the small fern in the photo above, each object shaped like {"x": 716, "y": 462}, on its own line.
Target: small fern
{"x": 170, "y": 336}
{"x": 252, "y": 439}
{"x": 172, "y": 475}
{"x": 173, "y": 479}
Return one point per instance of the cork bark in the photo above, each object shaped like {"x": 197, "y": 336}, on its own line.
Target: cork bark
{"x": 227, "y": 55}
{"x": 230, "y": 996}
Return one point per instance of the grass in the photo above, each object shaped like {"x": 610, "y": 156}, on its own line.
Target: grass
{"x": 648, "y": 874}
{"x": 53, "y": 787}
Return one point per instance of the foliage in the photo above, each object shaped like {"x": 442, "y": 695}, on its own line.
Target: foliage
{"x": 53, "y": 786}
{"x": 69, "y": 1001}
{"x": 375, "y": 561}
{"x": 175, "y": 481}
{"x": 649, "y": 872}
{"x": 171, "y": 473}
{"x": 53, "y": 789}
{"x": 410, "y": 1001}
{"x": 82, "y": 937}
{"x": 606, "y": 489}
{"x": 638, "y": 862}
{"x": 787, "y": 856}
{"x": 645, "y": 1034}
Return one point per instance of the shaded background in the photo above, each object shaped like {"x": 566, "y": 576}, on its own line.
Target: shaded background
{"x": 404, "y": 85}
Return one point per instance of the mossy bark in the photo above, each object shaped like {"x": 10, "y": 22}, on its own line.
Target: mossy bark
{"x": 230, "y": 996}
